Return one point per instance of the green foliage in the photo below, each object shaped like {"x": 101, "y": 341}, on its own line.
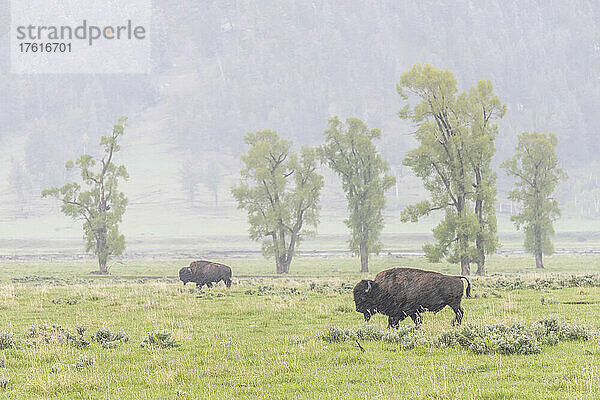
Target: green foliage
{"x": 349, "y": 151}
{"x": 456, "y": 137}
{"x": 535, "y": 167}
{"x": 280, "y": 191}
{"x": 102, "y": 205}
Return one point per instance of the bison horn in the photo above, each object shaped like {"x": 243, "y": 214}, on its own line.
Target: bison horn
{"x": 369, "y": 287}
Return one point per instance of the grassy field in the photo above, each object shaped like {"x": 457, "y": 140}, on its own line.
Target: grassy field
{"x": 263, "y": 337}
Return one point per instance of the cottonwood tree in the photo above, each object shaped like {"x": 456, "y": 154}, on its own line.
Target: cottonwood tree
{"x": 456, "y": 143}
{"x": 350, "y": 151}
{"x": 481, "y": 108}
{"x": 189, "y": 176}
{"x": 97, "y": 201}
{"x": 535, "y": 165}
{"x": 280, "y": 190}
{"x": 212, "y": 179}
{"x": 20, "y": 183}
{"x": 193, "y": 174}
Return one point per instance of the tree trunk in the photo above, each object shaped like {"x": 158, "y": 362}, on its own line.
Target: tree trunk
{"x": 479, "y": 241}
{"x": 480, "y": 268}
{"x": 539, "y": 263}
{"x": 279, "y": 265}
{"x": 481, "y": 251}
{"x": 102, "y": 254}
{"x": 103, "y": 269}
{"x": 481, "y": 254}
{"x": 364, "y": 258}
{"x": 286, "y": 266}
{"x": 537, "y": 229}
{"x": 283, "y": 265}
{"x": 465, "y": 267}
{"x": 101, "y": 250}
{"x": 463, "y": 240}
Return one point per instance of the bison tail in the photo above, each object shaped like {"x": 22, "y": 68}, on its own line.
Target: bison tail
{"x": 468, "y": 285}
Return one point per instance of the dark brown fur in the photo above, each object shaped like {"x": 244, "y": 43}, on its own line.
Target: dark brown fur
{"x": 205, "y": 273}
{"x": 408, "y": 292}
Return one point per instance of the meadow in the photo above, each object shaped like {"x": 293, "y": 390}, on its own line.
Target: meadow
{"x": 264, "y": 337}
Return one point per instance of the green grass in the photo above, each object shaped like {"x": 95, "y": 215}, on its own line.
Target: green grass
{"x": 238, "y": 343}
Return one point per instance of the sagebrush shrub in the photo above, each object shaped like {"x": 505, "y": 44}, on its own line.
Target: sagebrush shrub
{"x": 414, "y": 339}
{"x": 395, "y": 336}
{"x": 161, "y": 339}
{"x": 83, "y": 362}
{"x": 495, "y": 338}
{"x": 574, "y": 332}
{"x": 446, "y": 339}
{"x": 344, "y": 309}
{"x": 69, "y": 300}
{"x": 364, "y": 332}
{"x": 7, "y": 340}
{"x": 545, "y": 283}
{"x": 369, "y": 332}
{"x": 550, "y": 331}
{"x": 105, "y": 337}
{"x": 53, "y": 334}
{"x": 335, "y": 334}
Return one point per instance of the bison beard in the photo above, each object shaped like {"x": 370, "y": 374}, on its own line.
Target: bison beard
{"x": 408, "y": 292}
{"x": 205, "y": 273}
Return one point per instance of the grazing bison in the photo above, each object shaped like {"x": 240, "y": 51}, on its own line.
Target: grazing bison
{"x": 205, "y": 273}
{"x": 407, "y": 292}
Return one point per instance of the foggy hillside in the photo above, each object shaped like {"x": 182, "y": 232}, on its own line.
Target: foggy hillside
{"x": 223, "y": 68}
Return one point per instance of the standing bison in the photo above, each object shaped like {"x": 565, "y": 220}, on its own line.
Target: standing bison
{"x": 408, "y": 292}
{"x": 205, "y": 273}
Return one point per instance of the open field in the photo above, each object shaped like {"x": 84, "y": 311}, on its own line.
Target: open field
{"x": 189, "y": 232}
{"x": 262, "y": 338}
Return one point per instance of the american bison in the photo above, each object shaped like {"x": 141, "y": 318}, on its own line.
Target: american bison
{"x": 408, "y": 292}
{"x": 205, "y": 273}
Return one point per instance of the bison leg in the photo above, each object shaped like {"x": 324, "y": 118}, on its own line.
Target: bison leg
{"x": 228, "y": 283}
{"x": 459, "y": 312}
{"x": 417, "y": 319}
{"x": 209, "y": 284}
{"x": 393, "y": 322}
{"x": 367, "y": 316}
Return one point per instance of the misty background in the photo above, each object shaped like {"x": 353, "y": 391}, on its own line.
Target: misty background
{"x": 223, "y": 68}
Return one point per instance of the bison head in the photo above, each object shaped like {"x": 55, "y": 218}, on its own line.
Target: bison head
{"x": 364, "y": 298}
{"x": 185, "y": 275}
